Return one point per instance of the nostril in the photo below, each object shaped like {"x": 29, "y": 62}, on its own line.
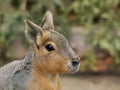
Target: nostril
{"x": 75, "y": 63}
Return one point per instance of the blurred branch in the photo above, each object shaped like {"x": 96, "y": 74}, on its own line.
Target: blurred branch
{"x": 23, "y": 5}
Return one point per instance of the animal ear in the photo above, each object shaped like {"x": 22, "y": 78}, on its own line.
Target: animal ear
{"x": 32, "y": 31}
{"x": 47, "y": 22}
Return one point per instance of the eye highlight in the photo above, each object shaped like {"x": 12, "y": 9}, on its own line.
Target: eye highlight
{"x": 49, "y": 47}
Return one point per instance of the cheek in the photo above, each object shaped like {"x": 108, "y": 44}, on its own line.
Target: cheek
{"x": 53, "y": 62}
{"x": 57, "y": 63}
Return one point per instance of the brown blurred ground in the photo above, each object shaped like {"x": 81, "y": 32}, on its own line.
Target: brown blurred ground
{"x": 91, "y": 83}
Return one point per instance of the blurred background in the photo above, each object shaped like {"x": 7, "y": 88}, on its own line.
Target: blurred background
{"x": 91, "y": 26}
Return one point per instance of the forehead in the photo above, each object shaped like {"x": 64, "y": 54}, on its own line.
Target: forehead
{"x": 58, "y": 38}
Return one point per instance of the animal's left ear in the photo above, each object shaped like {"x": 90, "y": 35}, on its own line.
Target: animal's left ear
{"x": 47, "y": 22}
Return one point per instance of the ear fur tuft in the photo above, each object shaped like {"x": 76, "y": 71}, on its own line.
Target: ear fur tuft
{"x": 47, "y": 22}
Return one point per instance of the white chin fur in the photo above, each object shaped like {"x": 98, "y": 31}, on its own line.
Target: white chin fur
{"x": 73, "y": 69}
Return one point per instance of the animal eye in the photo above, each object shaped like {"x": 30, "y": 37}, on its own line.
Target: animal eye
{"x": 49, "y": 47}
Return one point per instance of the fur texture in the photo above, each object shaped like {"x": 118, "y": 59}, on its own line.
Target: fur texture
{"x": 49, "y": 54}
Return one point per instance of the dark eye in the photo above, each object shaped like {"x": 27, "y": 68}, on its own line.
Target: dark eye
{"x": 49, "y": 47}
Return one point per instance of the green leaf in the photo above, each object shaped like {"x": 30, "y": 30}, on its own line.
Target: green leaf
{"x": 117, "y": 44}
{"x": 96, "y": 10}
{"x": 104, "y": 44}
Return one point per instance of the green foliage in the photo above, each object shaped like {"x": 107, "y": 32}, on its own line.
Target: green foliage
{"x": 10, "y": 29}
{"x": 106, "y": 37}
{"x": 90, "y": 62}
{"x": 99, "y": 19}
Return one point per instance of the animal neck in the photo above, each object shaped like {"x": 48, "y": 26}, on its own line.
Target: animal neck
{"x": 41, "y": 80}
{"x": 45, "y": 81}
{"x": 29, "y": 56}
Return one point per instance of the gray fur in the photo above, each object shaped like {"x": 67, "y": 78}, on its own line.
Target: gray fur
{"x": 15, "y": 75}
{"x": 62, "y": 43}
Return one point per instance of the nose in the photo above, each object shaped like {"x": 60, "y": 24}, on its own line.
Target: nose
{"x": 75, "y": 62}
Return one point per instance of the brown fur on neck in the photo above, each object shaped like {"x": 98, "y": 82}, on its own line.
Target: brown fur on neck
{"x": 52, "y": 55}
{"x": 44, "y": 81}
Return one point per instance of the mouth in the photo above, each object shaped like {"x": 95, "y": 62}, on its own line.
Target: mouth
{"x": 73, "y": 69}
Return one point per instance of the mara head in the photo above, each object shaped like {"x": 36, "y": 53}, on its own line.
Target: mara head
{"x": 52, "y": 52}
